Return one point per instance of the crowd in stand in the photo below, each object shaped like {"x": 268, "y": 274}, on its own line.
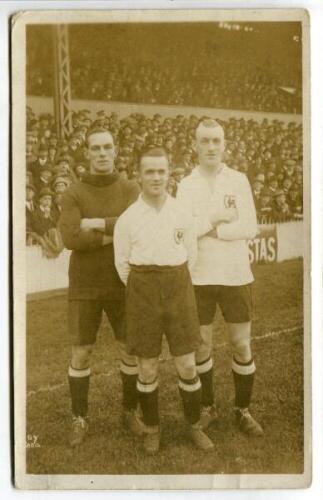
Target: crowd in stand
{"x": 232, "y": 87}
{"x": 269, "y": 153}
{"x": 236, "y": 87}
{"x": 174, "y": 65}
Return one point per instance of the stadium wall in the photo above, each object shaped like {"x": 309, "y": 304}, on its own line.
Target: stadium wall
{"x": 46, "y": 105}
{"x": 274, "y": 243}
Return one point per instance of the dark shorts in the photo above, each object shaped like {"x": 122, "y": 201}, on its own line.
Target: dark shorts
{"x": 160, "y": 300}
{"x": 235, "y": 302}
{"x": 84, "y": 319}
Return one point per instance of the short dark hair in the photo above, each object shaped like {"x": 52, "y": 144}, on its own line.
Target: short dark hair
{"x": 96, "y": 130}
{"x": 153, "y": 151}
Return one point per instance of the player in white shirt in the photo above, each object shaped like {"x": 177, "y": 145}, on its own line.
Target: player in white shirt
{"x": 154, "y": 244}
{"x": 221, "y": 202}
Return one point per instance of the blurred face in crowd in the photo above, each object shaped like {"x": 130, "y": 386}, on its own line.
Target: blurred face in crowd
{"x": 80, "y": 170}
{"x": 42, "y": 157}
{"x": 29, "y": 194}
{"x": 257, "y": 186}
{"x": 73, "y": 145}
{"x": 44, "y": 123}
{"x": 101, "y": 153}
{"x": 45, "y": 201}
{"x": 46, "y": 175}
{"x": 60, "y": 187}
{"x": 264, "y": 201}
{"x": 209, "y": 144}
{"x": 287, "y": 183}
{"x": 299, "y": 178}
{"x": 51, "y": 153}
{"x": 154, "y": 175}
{"x": 53, "y": 141}
{"x": 64, "y": 167}
{"x": 171, "y": 186}
{"x": 179, "y": 176}
{"x": 273, "y": 183}
{"x": 244, "y": 167}
{"x": 281, "y": 200}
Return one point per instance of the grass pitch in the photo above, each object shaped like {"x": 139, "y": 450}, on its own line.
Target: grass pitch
{"x": 109, "y": 449}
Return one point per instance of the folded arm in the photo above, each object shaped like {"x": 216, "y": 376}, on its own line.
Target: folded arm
{"x": 74, "y": 236}
{"x": 245, "y": 225}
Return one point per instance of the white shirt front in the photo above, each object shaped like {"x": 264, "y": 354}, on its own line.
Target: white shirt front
{"x": 145, "y": 236}
{"x": 223, "y": 260}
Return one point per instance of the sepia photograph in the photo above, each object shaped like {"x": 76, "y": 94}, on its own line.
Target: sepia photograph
{"x": 161, "y": 249}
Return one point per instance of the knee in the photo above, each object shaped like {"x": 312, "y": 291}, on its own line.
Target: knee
{"x": 185, "y": 366}
{"x": 127, "y": 358}
{"x": 81, "y": 356}
{"x": 148, "y": 370}
{"x": 241, "y": 350}
{"x": 204, "y": 351}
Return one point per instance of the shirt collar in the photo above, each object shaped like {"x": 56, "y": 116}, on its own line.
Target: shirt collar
{"x": 147, "y": 208}
{"x": 197, "y": 173}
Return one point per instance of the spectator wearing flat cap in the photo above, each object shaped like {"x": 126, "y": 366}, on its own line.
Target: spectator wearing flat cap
{"x": 42, "y": 159}
{"x": 281, "y": 211}
{"x": 60, "y": 184}
{"x": 44, "y": 177}
{"x": 63, "y": 167}
{"x": 44, "y": 217}
{"x": 273, "y": 185}
{"x": 257, "y": 187}
{"x": 80, "y": 170}
{"x": 265, "y": 210}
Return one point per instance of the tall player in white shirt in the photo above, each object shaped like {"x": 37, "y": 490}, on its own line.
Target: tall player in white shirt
{"x": 220, "y": 200}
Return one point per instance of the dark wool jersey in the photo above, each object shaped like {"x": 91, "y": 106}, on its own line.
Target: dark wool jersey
{"x": 92, "y": 274}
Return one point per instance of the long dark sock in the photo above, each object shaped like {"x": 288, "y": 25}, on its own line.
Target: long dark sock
{"x": 243, "y": 376}
{"x": 190, "y": 392}
{"x": 79, "y": 381}
{"x": 129, "y": 375}
{"x": 148, "y": 399}
{"x": 205, "y": 371}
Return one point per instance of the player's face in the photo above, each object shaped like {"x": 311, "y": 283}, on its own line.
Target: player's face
{"x": 154, "y": 175}
{"x": 209, "y": 146}
{"x": 101, "y": 153}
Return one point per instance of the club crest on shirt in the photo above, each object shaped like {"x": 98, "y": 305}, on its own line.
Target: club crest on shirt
{"x": 178, "y": 235}
{"x": 229, "y": 201}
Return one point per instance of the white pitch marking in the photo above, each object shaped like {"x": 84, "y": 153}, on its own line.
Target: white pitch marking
{"x": 268, "y": 335}
{"x": 277, "y": 333}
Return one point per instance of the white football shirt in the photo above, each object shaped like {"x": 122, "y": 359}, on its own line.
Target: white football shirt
{"x": 223, "y": 260}
{"x": 145, "y": 236}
